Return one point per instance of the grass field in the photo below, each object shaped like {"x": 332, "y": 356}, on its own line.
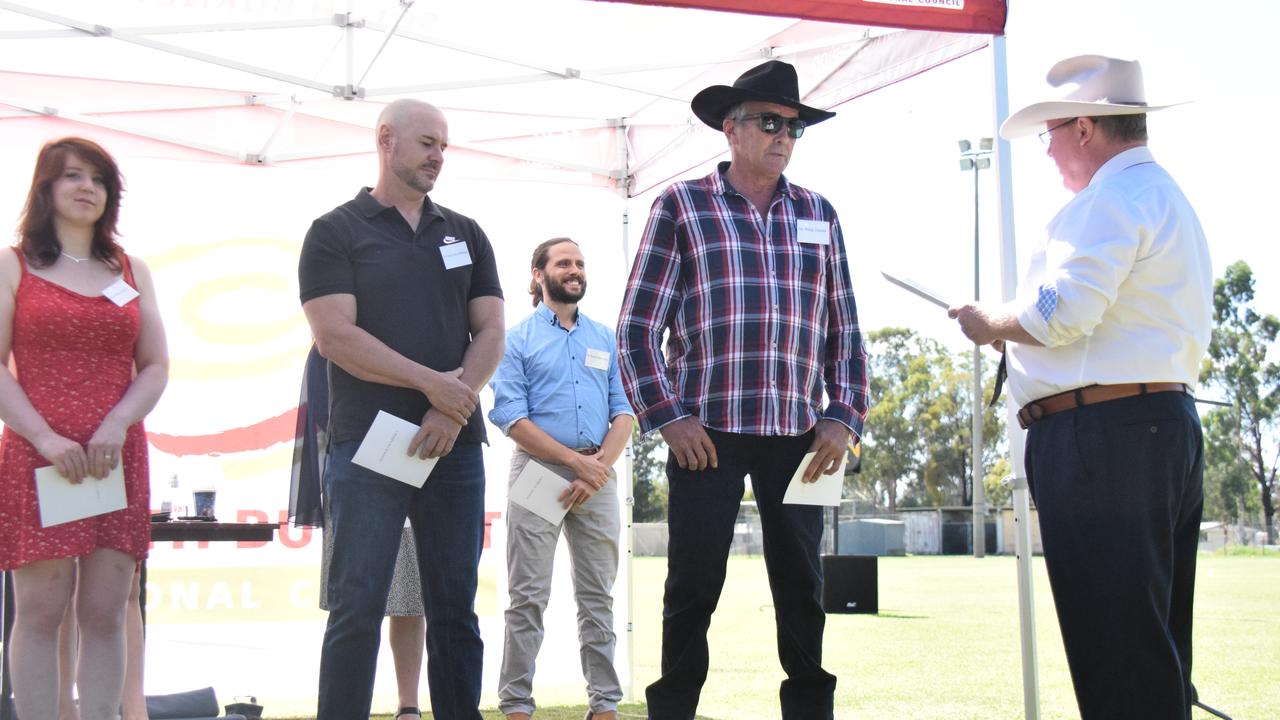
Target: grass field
{"x": 945, "y": 644}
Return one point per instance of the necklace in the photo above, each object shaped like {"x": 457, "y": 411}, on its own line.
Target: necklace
{"x": 73, "y": 258}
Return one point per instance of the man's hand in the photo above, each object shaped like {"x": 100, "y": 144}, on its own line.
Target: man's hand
{"x": 975, "y": 322}
{"x": 690, "y": 444}
{"x": 451, "y": 396}
{"x": 590, "y": 470}
{"x": 577, "y": 493}
{"x": 436, "y": 436}
{"x": 830, "y": 440}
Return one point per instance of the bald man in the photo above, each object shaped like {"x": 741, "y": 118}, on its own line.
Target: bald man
{"x": 402, "y": 296}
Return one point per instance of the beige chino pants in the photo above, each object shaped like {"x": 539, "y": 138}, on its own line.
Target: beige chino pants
{"x": 592, "y": 530}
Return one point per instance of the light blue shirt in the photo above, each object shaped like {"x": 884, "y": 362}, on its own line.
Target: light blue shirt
{"x": 564, "y": 381}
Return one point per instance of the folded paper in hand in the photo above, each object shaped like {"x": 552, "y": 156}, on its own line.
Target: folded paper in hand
{"x": 62, "y": 501}
{"x": 385, "y": 450}
{"x": 823, "y": 491}
{"x": 538, "y": 489}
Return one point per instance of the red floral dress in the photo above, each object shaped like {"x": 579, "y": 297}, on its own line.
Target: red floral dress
{"x": 73, "y": 356}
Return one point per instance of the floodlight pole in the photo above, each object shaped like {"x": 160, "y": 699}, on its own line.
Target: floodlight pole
{"x": 976, "y": 159}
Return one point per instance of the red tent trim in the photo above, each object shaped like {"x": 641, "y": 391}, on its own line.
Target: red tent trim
{"x": 985, "y": 17}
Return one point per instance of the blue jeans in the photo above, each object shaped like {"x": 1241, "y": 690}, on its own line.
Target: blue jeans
{"x": 1118, "y": 486}
{"x": 366, "y": 516}
{"x": 702, "y": 509}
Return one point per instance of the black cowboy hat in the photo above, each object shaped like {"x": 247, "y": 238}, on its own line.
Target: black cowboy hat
{"x": 774, "y": 82}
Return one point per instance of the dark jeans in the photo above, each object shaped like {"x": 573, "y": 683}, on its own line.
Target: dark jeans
{"x": 366, "y": 516}
{"x": 702, "y": 508}
{"x": 1118, "y": 490}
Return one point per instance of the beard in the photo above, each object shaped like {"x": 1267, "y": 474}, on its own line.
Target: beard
{"x": 413, "y": 177}
{"x": 559, "y": 293}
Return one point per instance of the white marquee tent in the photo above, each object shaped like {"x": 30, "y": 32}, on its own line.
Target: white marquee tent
{"x": 237, "y": 121}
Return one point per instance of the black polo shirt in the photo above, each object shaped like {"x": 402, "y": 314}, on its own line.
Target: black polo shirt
{"x": 406, "y": 296}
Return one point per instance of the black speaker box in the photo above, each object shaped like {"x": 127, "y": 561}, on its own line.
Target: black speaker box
{"x": 849, "y": 584}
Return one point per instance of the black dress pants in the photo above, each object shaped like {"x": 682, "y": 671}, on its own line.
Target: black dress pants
{"x": 1118, "y": 489}
{"x": 702, "y": 509}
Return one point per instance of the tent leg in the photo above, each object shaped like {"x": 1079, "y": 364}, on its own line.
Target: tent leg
{"x": 1017, "y": 438}
{"x": 1026, "y": 607}
{"x": 629, "y": 687}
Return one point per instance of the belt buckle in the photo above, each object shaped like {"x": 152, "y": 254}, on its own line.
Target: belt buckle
{"x": 1030, "y": 414}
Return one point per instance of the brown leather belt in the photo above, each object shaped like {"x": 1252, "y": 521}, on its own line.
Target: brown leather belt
{"x": 1044, "y": 407}
{"x": 589, "y": 451}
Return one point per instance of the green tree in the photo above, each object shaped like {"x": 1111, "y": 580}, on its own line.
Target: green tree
{"x": 1228, "y": 484}
{"x": 1237, "y": 365}
{"x": 649, "y": 477}
{"x": 917, "y": 434}
{"x": 998, "y": 494}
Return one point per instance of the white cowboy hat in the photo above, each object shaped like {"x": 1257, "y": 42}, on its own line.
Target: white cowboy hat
{"x": 1091, "y": 86}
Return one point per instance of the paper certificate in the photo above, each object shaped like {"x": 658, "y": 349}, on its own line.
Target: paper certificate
{"x": 823, "y": 491}
{"x": 537, "y": 490}
{"x": 385, "y": 449}
{"x": 917, "y": 289}
{"x": 61, "y": 501}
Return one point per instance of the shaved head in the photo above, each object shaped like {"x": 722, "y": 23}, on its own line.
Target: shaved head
{"x": 399, "y": 113}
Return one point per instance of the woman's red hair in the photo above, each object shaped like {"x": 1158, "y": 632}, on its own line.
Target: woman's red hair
{"x": 36, "y": 236}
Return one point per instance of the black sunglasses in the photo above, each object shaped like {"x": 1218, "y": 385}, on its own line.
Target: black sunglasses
{"x": 771, "y": 123}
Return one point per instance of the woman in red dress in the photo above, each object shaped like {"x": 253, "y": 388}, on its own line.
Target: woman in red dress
{"x": 88, "y": 363}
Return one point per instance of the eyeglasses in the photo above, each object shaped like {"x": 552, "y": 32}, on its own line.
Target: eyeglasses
{"x": 1046, "y": 137}
{"x": 771, "y": 123}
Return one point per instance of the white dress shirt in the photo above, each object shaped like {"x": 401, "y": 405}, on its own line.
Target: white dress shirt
{"x": 1121, "y": 291}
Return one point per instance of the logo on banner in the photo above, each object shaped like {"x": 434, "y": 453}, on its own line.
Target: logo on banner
{"x": 940, "y": 4}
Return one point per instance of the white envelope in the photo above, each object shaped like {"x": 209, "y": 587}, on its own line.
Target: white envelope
{"x": 537, "y": 490}
{"x": 823, "y": 491}
{"x": 385, "y": 448}
{"x": 61, "y": 501}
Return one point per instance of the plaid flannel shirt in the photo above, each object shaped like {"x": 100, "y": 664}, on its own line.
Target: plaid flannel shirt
{"x": 759, "y": 322}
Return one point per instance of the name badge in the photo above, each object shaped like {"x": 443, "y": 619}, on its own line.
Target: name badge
{"x": 120, "y": 292}
{"x": 813, "y": 232}
{"x": 455, "y": 255}
{"x": 598, "y": 359}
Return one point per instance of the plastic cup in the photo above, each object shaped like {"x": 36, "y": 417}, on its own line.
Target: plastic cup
{"x": 204, "y": 501}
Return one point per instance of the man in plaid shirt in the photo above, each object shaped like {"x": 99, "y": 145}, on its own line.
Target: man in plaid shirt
{"x": 747, "y": 274}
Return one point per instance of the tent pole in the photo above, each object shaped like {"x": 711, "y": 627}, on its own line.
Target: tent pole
{"x": 629, "y": 505}
{"x": 623, "y": 169}
{"x": 349, "y": 34}
{"x": 280, "y": 126}
{"x": 1017, "y": 438}
{"x": 405, "y": 5}
{"x": 105, "y": 121}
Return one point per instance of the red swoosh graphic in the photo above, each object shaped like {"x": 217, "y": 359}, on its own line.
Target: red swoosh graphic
{"x": 258, "y": 436}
